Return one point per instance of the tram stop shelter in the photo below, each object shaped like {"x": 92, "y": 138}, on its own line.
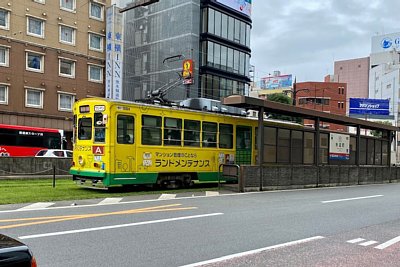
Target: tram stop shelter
{"x": 370, "y": 156}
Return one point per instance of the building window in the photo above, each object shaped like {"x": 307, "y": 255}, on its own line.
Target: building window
{"x": 67, "y": 35}
{"x": 96, "y": 11}
{"x": 34, "y": 62}
{"x": 65, "y": 102}
{"x": 34, "y": 98}
{"x": 66, "y": 68}
{"x": 3, "y": 94}
{"x": 4, "y": 56}
{"x": 95, "y": 73}
{"x": 67, "y": 5}
{"x": 95, "y": 42}
{"x": 35, "y": 27}
{"x": 4, "y": 19}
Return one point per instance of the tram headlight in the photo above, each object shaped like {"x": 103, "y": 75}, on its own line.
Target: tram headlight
{"x": 81, "y": 161}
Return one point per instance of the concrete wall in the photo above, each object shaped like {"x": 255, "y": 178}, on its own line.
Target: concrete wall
{"x": 33, "y": 167}
{"x": 291, "y": 177}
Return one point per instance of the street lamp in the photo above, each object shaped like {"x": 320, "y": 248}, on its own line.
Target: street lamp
{"x": 294, "y": 92}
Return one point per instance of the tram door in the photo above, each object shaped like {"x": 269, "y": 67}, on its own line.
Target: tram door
{"x": 243, "y": 145}
{"x": 124, "y": 150}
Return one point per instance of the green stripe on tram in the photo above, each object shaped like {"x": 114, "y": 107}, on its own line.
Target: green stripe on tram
{"x": 109, "y": 179}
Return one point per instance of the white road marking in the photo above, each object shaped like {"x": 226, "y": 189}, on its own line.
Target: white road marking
{"x": 167, "y": 196}
{"x": 368, "y": 243}
{"x": 118, "y": 226}
{"x": 348, "y": 199}
{"x": 388, "y": 243}
{"x": 355, "y": 240}
{"x": 110, "y": 200}
{"x": 212, "y": 193}
{"x": 196, "y": 197}
{"x": 38, "y": 205}
{"x": 250, "y": 252}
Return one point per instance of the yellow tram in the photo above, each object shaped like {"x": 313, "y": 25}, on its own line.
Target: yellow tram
{"x": 127, "y": 143}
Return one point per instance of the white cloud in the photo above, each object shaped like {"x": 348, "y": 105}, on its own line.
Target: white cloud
{"x": 304, "y": 38}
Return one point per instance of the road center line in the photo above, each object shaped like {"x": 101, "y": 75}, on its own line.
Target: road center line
{"x": 388, "y": 243}
{"x": 250, "y": 252}
{"x": 348, "y": 199}
{"x": 118, "y": 226}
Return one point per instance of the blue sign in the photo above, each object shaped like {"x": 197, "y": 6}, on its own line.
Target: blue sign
{"x": 386, "y": 43}
{"x": 367, "y": 106}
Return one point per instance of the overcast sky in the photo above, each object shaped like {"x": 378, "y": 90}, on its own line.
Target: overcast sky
{"x": 305, "y": 37}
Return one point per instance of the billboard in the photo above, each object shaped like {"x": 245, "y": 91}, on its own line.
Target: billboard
{"x": 387, "y": 42}
{"x": 276, "y": 82}
{"x": 365, "y": 106}
{"x": 243, "y": 6}
{"x": 339, "y": 146}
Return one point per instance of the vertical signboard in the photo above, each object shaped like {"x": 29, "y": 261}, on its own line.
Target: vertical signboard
{"x": 339, "y": 146}
{"x": 114, "y": 48}
{"x": 109, "y": 52}
{"x": 187, "y": 73}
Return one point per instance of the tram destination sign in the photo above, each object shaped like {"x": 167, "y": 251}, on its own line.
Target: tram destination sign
{"x": 366, "y": 106}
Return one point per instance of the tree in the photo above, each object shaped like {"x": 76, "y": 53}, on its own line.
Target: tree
{"x": 284, "y": 99}
{"x": 279, "y": 97}
{"x": 377, "y": 133}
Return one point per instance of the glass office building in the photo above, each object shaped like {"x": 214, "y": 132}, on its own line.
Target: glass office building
{"x": 215, "y": 34}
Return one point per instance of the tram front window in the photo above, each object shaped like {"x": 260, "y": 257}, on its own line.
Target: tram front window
{"x": 85, "y": 129}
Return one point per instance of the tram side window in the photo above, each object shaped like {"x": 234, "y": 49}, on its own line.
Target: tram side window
{"x": 210, "y": 130}
{"x": 225, "y": 136}
{"x": 151, "y": 130}
{"x": 172, "y": 132}
{"x": 192, "y": 133}
{"x": 85, "y": 129}
{"x": 125, "y": 129}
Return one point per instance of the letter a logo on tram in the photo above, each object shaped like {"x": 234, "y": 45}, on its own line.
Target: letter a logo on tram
{"x": 98, "y": 150}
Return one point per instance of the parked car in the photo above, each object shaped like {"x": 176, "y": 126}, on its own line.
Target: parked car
{"x": 15, "y": 253}
{"x": 54, "y": 153}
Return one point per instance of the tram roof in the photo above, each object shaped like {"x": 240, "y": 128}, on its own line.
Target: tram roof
{"x": 246, "y": 102}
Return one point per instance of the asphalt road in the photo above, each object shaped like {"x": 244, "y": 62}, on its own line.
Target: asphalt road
{"x": 344, "y": 226}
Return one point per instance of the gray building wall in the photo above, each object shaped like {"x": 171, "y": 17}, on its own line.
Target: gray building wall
{"x": 154, "y": 33}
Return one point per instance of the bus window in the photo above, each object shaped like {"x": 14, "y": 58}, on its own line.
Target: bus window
{"x": 125, "y": 129}
{"x": 210, "y": 134}
{"x": 172, "y": 132}
{"x": 85, "y": 129}
{"x": 192, "y": 133}
{"x": 151, "y": 130}
{"x": 225, "y": 136}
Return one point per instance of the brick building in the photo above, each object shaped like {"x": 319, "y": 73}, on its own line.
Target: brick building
{"x": 327, "y": 97}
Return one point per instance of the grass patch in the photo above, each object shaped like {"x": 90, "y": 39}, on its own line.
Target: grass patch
{"x": 41, "y": 190}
